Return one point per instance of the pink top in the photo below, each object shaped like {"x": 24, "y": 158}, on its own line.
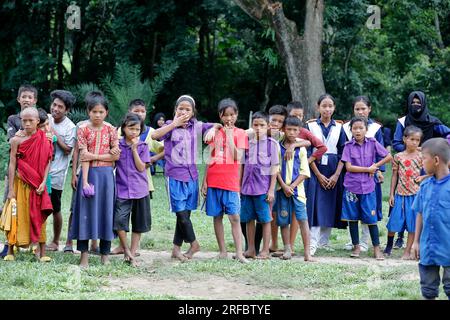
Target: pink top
{"x": 97, "y": 141}
{"x": 409, "y": 167}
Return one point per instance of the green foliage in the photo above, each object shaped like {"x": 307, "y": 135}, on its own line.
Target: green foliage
{"x": 4, "y": 154}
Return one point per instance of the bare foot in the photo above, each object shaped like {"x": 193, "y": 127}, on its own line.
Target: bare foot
{"x": 118, "y": 250}
{"x": 52, "y": 247}
{"x": 378, "y": 254}
{"x": 176, "y": 254}
{"x": 263, "y": 255}
{"x": 130, "y": 260}
{"x": 287, "y": 255}
{"x": 240, "y": 258}
{"x": 195, "y": 247}
{"x": 250, "y": 254}
{"x": 309, "y": 258}
{"x": 407, "y": 256}
{"x": 356, "y": 251}
{"x": 104, "y": 259}
{"x": 223, "y": 255}
{"x": 84, "y": 261}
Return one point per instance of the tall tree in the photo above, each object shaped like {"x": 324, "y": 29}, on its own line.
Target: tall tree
{"x": 302, "y": 54}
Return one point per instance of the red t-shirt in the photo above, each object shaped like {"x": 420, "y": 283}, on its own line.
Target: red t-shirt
{"x": 223, "y": 170}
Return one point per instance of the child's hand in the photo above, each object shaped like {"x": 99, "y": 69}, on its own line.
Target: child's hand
{"x": 209, "y": 137}
{"x": 391, "y": 200}
{"x": 74, "y": 182}
{"x": 415, "y": 250}
{"x": 289, "y": 154}
{"x": 270, "y": 196}
{"x": 20, "y": 133}
{"x": 372, "y": 169}
{"x": 49, "y": 136}
{"x": 134, "y": 144}
{"x": 419, "y": 179}
{"x": 288, "y": 191}
{"x": 323, "y": 181}
{"x": 380, "y": 176}
{"x": 332, "y": 181}
{"x": 41, "y": 188}
{"x": 11, "y": 194}
{"x": 115, "y": 151}
{"x": 87, "y": 157}
{"x": 181, "y": 120}
{"x": 204, "y": 189}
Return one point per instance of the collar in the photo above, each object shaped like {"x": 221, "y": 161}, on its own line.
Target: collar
{"x": 353, "y": 141}
{"x": 443, "y": 180}
{"x": 332, "y": 123}
{"x": 255, "y": 141}
{"x": 123, "y": 143}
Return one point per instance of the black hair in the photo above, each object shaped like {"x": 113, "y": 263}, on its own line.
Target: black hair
{"x": 189, "y": 99}
{"x": 410, "y": 130}
{"x": 65, "y": 96}
{"x": 226, "y": 103}
{"x": 94, "y": 98}
{"x": 326, "y": 96}
{"x": 359, "y": 119}
{"x": 260, "y": 115}
{"x": 278, "y": 109}
{"x": 136, "y": 102}
{"x": 292, "y": 121}
{"x": 363, "y": 99}
{"x": 132, "y": 119}
{"x": 437, "y": 147}
{"x": 156, "y": 119}
{"x": 43, "y": 116}
{"x": 294, "y": 105}
{"x": 27, "y": 87}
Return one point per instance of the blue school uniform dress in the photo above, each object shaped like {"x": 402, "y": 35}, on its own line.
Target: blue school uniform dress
{"x": 290, "y": 170}
{"x": 374, "y": 130}
{"x": 324, "y": 206}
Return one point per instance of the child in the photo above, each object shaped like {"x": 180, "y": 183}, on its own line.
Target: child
{"x": 130, "y": 177}
{"x": 221, "y": 184}
{"x": 359, "y": 199}
{"x": 92, "y": 218}
{"x": 30, "y": 156}
{"x": 64, "y": 132}
{"x": 324, "y": 189}
{"x": 432, "y": 204}
{"x": 405, "y": 184}
{"x": 158, "y": 122}
{"x": 362, "y": 108}
{"x": 258, "y": 184}
{"x": 137, "y": 106}
{"x": 180, "y": 152}
{"x": 290, "y": 198}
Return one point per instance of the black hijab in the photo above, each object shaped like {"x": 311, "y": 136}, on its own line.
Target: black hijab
{"x": 422, "y": 118}
{"x": 156, "y": 118}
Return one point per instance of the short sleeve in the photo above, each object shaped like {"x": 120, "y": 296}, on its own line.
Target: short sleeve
{"x": 242, "y": 140}
{"x": 71, "y": 137}
{"x": 168, "y": 135}
{"x": 346, "y": 153}
{"x": 81, "y": 137}
{"x": 114, "y": 138}
{"x": 206, "y": 126}
{"x": 274, "y": 154}
{"x": 395, "y": 163}
{"x": 380, "y": 150}
{"x": 144, "y": 153}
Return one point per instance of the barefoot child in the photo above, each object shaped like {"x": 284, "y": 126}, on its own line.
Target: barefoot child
{"x": 290, "y": 198}
{"x": 405, "y": 183}
{"x": 221, "y": 185}
{"x": 181, "y": 145}
{"x": 130, "y": 177}
{"x": 359, "y": 199}
{"x": 258, "y": 184}
{"x": 92, "y": 217}
{"x": 432, "y": 204}
{"x": 30, "y": 156}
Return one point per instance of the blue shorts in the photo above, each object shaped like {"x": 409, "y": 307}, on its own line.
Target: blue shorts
{"x": 402, "y": 217}
{"x": 219, "y": 201}
{"x": 183, "y": 195}
{"x": 284, "y": 207}
{"x": 359, "y": 207}
{"x": 255, "y": 208}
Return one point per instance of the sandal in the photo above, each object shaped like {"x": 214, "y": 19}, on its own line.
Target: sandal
{"x": 9, "y": 257}
{"x": 45, "y": 259}
{"x": 68, "y": 249}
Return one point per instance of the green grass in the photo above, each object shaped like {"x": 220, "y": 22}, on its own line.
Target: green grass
{"x": 62, "y": 279}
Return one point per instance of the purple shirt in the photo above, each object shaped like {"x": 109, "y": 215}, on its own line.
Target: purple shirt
{"x": 259, "y": 158}
{"x": 181, "y": 146}
{"x": 131, "y": 183}
{"x": 362, "y": 156}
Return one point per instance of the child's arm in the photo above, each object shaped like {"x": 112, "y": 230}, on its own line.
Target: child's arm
{"x": 289, "y": 154}
{"x": 335, "y": 177}
{"x": 394, "y": 181}
{"x": 204, "y": 184}
{"x": 177, "y": 122}
{"x": 140, "y": 165}
{"x": 323, "y": 181}
{"x": 273, "y": 182}
{"x": 415, "y": 250}
{"x": 12, "y": 166}
{"x": 42, "y": 186}
{"x": 60, "y": 141}
{"x": 299, "y": 180}
{"x": 288, "y": 191}
{"x": 351, "y": 168}
{"x": 155, "y": 158}
{"x": 76, "y": 152}
{"x": 236, "y": 152}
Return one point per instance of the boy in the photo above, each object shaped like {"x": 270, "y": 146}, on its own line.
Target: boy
{"x": 30, "y": 156}
{"x": 290, "y": 198}
{"x": 258, "y": 184}
{"x": 137, "y": 106}
{"x": 64, "y": 132}
{"x": 432, "y": 204}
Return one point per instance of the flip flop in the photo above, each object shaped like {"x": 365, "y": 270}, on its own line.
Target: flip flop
{"x": 68, "y": 249}
{"x": 9, "y": 257}
{"x": 258, "y": 257}
{"x": 45, "y": 259}
{"x": 51, "y": 249}
{"x": 277, "y": 254}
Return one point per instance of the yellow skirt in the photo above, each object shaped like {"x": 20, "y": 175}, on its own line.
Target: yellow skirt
{"x": 22, "y": 191}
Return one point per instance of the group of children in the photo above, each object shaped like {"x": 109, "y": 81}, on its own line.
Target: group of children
{"x": 278, "y": 173}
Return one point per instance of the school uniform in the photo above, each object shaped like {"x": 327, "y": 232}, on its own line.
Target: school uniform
{"x": 131, "y": 197}
{"x": 290, "y": 170}
{"x": 260, "y": 160}
{"x": 433, "y": 203}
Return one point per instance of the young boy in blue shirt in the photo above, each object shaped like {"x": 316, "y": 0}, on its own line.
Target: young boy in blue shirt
{"x": 432, "y": 204}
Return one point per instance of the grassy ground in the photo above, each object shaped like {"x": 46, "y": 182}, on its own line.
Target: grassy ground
{"x": 333, "y": 276}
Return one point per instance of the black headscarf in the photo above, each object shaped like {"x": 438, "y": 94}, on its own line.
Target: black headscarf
{"x": 156, "y": 118}
{"x": 422, "y": 118}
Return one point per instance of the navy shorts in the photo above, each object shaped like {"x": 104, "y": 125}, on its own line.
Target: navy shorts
{"x": 183, "y": 195}
{"x": 255, "y": 208}
{"x": 285, "y": 206}
{"x": 359, "y": 207}
{"x": 402, "y": 215}
{"x": 139, "y": 209}
{"x": 219, "y": 201}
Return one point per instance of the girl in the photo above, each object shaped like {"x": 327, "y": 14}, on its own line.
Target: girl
{"x": 158, "y": 122}
{"x": 362, "y": 108}
{"x": 92, "y": 217}
{"x": 405, "y": 184}
{"x": 324, "y": 189}
{"x": 221, "y": 185}
{"x": 359, "y": 200}
{"x": 130, "y": 177}
{"x": 180, "y": 150}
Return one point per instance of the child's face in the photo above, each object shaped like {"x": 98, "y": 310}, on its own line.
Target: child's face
{"x": 297, "y": 113}
{"x": 184, "y": 108}
{"x": 44, "y": 126}
{"x": 359, "y": 130}
{"x": 229, "y": 117}
{"x": 260, "y": 127}
{"x": 132, "y": 131}
{"x": 412, "y": 141}
{"x": 291, "y": 133}
{"x": 326, "y": 108}
{"x": 29, "y": 122}
{"x": 27, "y": 99}
{"x": 429, "y": 162}
{"x": 140, "y": 111}
{"x": 58, "y": 109}
{"x": 361, "y": 110}
{"x": 161, "y": 122}
{"x": 98, "y": 114}
{"x": 276, "y": 121}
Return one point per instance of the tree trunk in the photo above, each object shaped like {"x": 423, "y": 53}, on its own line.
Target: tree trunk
{"x": 62, "y": 39}
{"x": 302, "y": 55}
